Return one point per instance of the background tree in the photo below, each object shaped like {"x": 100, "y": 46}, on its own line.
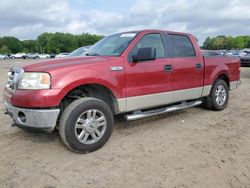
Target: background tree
{"x": 12, "y": 43}
{"x": 5, "y": 50}
{"x": 29, "y": 46}
{"x": 66, "y": 42}
{"x": 223, "y": 42}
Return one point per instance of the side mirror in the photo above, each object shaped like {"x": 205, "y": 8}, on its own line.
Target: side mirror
{"x": 145, "y": 54}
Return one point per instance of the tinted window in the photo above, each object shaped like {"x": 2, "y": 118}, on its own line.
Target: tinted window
{"x": 181, "y": 46}
{"x": 151, "y": 41}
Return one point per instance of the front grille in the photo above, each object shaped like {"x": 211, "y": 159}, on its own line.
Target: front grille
{"x": 14, "y": 76}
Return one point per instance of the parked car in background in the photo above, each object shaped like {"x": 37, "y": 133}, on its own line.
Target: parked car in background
{"x": 242, "y": 53}
{"x": 221, "y": 52}
{"x": 31, "y": 56}
{"x": 52, "y": 55}
{"x": 233, "y": 53}
{"x": 18, "y": 56}
{"x": 2, "y": 56}
{"x": 79, "y": 51}
{"x": 210, "y": 53}
{"x": 44, "y": 56}
{"x": 64, "y": 54}
{"x": 245, "y": 61}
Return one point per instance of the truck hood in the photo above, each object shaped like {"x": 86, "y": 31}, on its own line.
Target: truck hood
{"x": 62, "y": 63}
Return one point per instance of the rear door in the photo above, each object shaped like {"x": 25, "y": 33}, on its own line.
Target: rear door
{"x": 187, "y": 66}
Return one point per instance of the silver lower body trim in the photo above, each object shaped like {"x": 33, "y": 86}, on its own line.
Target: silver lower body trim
{"x": 33, "y": 118}
{"x": 159, "y": 99}
{"x": 234, "y": 84}
{"x": 206, "y": 90}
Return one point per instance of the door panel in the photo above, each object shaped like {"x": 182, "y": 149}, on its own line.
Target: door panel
{"x": 185, "y": 74}
{"x": 147, "y": 77}
{"x": 144, "y": 81}
{"x": 188, "y": 66}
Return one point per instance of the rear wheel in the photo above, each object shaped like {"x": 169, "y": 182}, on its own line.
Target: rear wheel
{"x": 86, "y": 125}
{"x": 219, "y": 96}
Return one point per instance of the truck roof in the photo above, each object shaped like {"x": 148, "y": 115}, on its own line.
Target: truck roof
{"x": 157, "y": 30}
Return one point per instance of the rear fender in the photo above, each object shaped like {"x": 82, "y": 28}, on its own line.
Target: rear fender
{"x": 219, "y": 70}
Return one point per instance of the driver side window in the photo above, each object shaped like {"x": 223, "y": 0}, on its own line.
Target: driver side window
{"x": 151, "y": 41}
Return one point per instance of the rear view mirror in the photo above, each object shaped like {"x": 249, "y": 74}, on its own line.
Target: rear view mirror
{"x": 144, "y": 54}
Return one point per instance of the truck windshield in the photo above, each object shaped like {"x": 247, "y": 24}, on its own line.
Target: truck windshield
{"x": 112, "y": 45}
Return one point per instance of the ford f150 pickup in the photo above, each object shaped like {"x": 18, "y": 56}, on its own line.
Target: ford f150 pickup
{"x": 137, "y": 74}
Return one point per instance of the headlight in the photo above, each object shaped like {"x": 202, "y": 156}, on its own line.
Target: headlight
{"x": 35, "y": 80}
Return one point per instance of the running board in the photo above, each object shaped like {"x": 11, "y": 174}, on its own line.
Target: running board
{"x": 149, "y": 113}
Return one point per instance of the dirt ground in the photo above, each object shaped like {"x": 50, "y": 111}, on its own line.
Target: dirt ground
{"x": 189, "y": 148}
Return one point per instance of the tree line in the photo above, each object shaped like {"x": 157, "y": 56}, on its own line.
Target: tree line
{"x": 66, "y": 42}
{"x": 51, "y": 43}
{"x": 226, "y": 42}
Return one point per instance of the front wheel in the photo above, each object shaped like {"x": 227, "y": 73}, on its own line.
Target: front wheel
{"x": 86, "y": 125}
{"x": 219, "y": 96}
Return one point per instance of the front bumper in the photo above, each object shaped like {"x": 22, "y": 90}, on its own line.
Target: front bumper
{"x": 42, "y": 119}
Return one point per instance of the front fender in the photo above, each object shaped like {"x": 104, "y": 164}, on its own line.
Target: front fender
{"x": 67, "y": 81}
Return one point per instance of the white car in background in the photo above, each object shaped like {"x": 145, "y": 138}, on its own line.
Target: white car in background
{"x": 18, "y": 55}
{"x": 44, "y": 56}
{"x": 2, "y": 56}
{"x": 82, "y": 51}
{"x": 62, "y": 55}
{"x": 32, "y": 56}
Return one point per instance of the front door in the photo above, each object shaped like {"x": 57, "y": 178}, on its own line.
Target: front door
{"x": 148, "y": 81}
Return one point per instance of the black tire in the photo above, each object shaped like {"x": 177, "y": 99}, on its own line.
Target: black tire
{"x": 210, "y": 101}
{"x": 71, "y": 114}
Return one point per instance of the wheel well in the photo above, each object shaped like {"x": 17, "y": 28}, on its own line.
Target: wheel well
{"x": 225, "y": 78}
{"x": 91, "y": 90}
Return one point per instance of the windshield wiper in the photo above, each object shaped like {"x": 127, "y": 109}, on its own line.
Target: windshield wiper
{"x": 92, "y": 54}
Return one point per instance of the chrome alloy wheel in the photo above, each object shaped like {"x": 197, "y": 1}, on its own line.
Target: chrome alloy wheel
{"x": 220, "y": 95}
{"x": 90, "y": 126}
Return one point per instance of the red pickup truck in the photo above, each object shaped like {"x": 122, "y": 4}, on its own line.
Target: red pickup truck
{"x": 138, "y": 74}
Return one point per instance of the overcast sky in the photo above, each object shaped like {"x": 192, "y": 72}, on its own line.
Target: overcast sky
{"x": 26, "y": 19}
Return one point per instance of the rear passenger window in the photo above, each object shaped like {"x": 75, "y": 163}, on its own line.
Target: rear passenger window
{"x": 181, "y": 46}
{"x": 151, "y": 41}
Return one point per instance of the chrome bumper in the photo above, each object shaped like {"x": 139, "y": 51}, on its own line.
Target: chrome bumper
{"x": 43, "y": 119}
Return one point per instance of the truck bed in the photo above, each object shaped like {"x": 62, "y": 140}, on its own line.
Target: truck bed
{"x": 230, "y": 65}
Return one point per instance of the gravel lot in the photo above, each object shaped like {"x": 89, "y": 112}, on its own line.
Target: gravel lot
{"x": 188, "y": 148}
